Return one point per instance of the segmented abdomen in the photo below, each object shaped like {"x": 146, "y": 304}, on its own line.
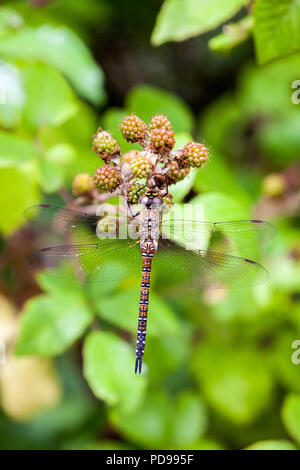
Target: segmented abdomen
{"x": 148, "y": 251}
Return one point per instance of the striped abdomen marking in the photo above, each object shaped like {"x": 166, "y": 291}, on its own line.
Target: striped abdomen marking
{"x": 148, "y": 251}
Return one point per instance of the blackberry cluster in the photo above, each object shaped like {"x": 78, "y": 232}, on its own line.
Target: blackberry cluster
{"x": 162, "y": 140}
{"x": 133, "y": 129}
{"x": 141, "y": 166}
{"x": 108, "y": 178}
{"x": 105, "y": 146}
{"x": 158, "y": 121}
{"x": 195, "y": 154}
{"x": 175, "y": 173}
{"x": 158, "y": 153}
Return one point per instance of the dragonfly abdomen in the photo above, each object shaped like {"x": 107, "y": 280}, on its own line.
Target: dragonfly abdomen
{"x": 148, "y": 251}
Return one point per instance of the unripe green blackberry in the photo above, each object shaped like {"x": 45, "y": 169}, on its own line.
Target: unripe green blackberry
{"x": 158, "y": 121}
{"x": 274, "y": 185}
{"x": 105, "y": 145}
{"x": 132, "y": 196}
{"x": 141, "y": 166}
{"x": 133, "y": 129}
{"x": 162, "y": 140}
{"x": 195, "y": 154}
{"x": 174, "y": 173}
{"x": 108, "y": 178}
{"x": 83, "y": 184}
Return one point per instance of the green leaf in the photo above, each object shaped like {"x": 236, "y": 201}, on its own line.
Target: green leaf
{"x": 164, "y": 422}
{"x": 221, "y": 207}
{"x": 281, "y": 137}
{"x": 285, "y": 371}
{"x": 15, "y": 150}
{"x": 50, "y": 323}
{"x": 148, "y": 424}
{"x": 189, "y": 420}
{"x": 267, "y": 91}
{"x": 77, "y": 130}
{"x": 53, "y": 166}
{"x": 291, "y": 415}
{"x": 10, "y": 20}
{"x": 69, "y": 416}
{"x": 217, "y": 176}
{"x": 106, "y": 444}
{"x": 234, "y": 381}
{"x": 217, "y": 121}
{"x": 50, "y": 100}
{"x": 272, "y": 445}
{"x": 276, "y": 28}
{"x": 182, "y": 19}
{"x": 109, "y": 370}
{"x": 206, "y": 444}
{"x": 19, "y": 190}
{"x": 182, "y": 188}
{"x": 170, "y": 352}
{"x": 77, "y": 133}
{"x": 233, "y": 34}
{"x": 12, "y": 96}
{"x": 62, "y": 48}
{"x": 161, "y": 318}
{"x": 145, "y": 101}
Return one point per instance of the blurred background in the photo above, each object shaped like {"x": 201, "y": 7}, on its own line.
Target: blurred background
{"x": 221, "y": 367}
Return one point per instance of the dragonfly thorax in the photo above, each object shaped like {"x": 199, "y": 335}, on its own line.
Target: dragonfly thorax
{"x": 149, "y": 219}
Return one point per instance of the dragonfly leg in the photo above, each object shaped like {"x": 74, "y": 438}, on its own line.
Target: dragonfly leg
{"x": 131, "y": 213}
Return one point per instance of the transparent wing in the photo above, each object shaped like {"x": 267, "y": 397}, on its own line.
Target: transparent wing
{"x": 206, "y": 269}
{"x": 110, "y": 260}
{"x": 61, "y": 221}
{"x": 223, "y": 236}
{"x": 45, "y": 213}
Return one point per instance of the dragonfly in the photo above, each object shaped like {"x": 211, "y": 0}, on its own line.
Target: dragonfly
{"x": 91, "y": 257}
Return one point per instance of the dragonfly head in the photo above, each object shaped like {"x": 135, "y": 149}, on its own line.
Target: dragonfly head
{"x": 151, "y": 198}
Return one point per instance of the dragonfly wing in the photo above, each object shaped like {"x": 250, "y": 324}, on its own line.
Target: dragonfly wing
{"x": 63, "y": 222}
{"x": 223, "y": 236}
{"x": 206, "y": 269}
{"x": 44, "y": 213}
{"x": 110, "y": 260}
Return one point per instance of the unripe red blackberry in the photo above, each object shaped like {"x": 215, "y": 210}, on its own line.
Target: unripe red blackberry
{"x": 141, "y": 166}
{"x": 108, "y": 178}
{"x": 133, "y": 129}
{"x": 83, "y": 184}
{"x": 174, "y": 173}
{"x": 105, "y": 145}
{"x": 195, "y": 154}
{"x": 132, "y": 196}
{"x": 162, "y": 140}
{"x": 158, "y": 121}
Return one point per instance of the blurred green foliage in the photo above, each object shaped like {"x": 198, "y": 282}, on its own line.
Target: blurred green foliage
{"x": 218, "y": 367}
